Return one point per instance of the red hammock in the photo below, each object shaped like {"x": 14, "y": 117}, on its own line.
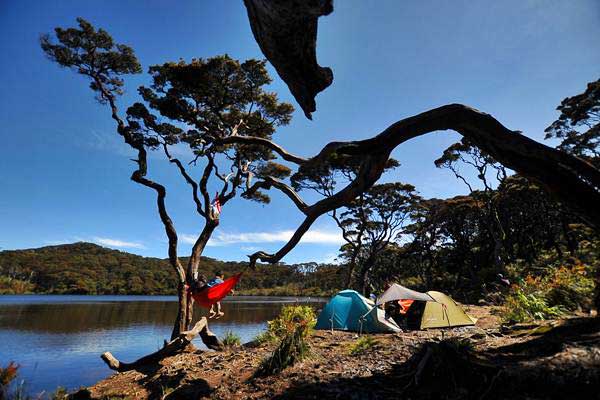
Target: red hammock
{"x": 209, "y": 296}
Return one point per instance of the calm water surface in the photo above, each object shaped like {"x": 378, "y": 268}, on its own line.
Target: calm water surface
{"x": 58, "y": 340}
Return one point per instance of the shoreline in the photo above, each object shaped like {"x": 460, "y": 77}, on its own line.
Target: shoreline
{"x": 381, "y": 371}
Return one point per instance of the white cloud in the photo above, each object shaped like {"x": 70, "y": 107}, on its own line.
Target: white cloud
{"x": 249, "y": 248}
{"x": 118, "y": 243}
{"x": 314, "y": 236}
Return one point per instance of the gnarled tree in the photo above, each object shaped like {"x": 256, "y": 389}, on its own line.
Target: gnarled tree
{"x": 217, "y": 108}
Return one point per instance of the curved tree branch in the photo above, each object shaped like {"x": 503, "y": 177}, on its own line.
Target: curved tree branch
{"x": 269, "y": 182}
{"x": 262, "y": 142}
{"x": 139, "y": 176}
{"x": 188, "y": 179}
{"x": 571, "y": 179}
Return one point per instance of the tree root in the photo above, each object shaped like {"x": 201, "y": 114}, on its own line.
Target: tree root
{"x": 173, "y": 347}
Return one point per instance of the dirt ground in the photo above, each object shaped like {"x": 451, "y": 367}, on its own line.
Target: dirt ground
{"x": 556, "y": 359}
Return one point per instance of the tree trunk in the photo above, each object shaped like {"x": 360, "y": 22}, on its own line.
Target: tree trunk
{"x": 182, "y": 310}
{"x": 185, "y": 313}
{"x": 351, "y": 278}
{"x": 364, "y": 276}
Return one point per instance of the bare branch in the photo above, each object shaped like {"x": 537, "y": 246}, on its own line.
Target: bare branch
{"x": 262, "y": 142}
{"x": 204, "y": 182}
{"x": 188, "y": 179}
{"x": 269, "y": 182}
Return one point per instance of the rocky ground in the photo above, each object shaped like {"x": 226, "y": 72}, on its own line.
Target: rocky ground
{"x": 556, "y": 359}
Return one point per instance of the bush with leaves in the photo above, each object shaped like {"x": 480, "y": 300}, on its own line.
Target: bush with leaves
{"x": 563, "y": 288}
{"x": 292, "y": 328}
{"x": 571, "y": 288}
{"x": 362, "y": 345}
{"x": 289, "y": 319}
{"x": 526, "y": 302}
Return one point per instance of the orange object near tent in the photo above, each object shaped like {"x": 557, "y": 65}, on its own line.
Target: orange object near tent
{"x": 405, "y": 305}
{"x": 211, "y": 295}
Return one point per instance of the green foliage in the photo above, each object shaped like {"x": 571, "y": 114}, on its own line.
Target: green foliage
{"x": 578, "y": 125}
{"x": 558, "y": 289}
{"x": 530, "y": 300}
{"x": 290, "y": 318}
{"x": 292, "y": 328}
{"x": 264, "y": 337}
{"x": 10, "y": 285}
{"x": 362, "y": 345}
{"x": 521, "y": 306}
{"x": 86, "y": 268}
{"x": 214, "y": 99}
{"x": 92, "y": 53}
{"x": 462, "y": 345}
{"x": 231, "y": 339}
{"x": 291, "y": 349}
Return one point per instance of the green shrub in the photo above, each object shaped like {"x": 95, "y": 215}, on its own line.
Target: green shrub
{"x": 292, "y": 328}
{"x": 522, "y": 305}
{"x": 362, "y": 345}
{"x": 231, "y": 339}
{"x": 291, "y": 317}
{"x": 570, "y": 288}
{"x": 461, "y": 345}
{"x": 264, "y": 337}
{"x": 550, "y": 296}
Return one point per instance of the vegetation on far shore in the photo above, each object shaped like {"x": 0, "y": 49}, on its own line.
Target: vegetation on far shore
{"x": 86, "y": 268}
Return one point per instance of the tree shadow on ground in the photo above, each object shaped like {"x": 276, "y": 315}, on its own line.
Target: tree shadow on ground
{"x": 558, "y": 364}
{"x": 582, "y": 332}
{"x": 165, "y": 385}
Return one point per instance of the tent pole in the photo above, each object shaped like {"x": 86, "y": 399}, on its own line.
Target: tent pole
{"x": 332, "y": 319}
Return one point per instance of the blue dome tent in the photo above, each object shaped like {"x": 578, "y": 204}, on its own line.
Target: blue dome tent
{"x": 349, "y": 311}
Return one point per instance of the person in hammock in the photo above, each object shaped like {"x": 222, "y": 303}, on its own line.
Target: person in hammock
{"x": 215, "y": 309}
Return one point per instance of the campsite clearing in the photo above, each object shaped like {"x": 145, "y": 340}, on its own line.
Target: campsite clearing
{"x": 519, "y": 363}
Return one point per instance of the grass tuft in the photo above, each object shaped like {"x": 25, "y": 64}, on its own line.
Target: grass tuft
{"x": 362, "y": 345}
{"x": 231, "y": 339}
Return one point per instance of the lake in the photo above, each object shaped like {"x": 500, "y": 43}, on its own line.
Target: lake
{"x": 57, "y": 340}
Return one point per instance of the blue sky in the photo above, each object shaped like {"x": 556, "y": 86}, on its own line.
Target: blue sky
{"x": 64, "y": 173}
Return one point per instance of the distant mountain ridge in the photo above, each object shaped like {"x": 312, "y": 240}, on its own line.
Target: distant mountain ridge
{"x": 87, "y": 268}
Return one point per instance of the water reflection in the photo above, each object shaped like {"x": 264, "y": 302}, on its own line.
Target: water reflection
{"x": 95, "y": 314}
{"x": 58, "y": 339}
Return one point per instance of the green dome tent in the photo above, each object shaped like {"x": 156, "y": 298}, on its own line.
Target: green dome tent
{"x": 349, "y": 311}
{"x": 440, "y": 310}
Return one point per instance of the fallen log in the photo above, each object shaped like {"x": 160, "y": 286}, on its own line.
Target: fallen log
{"x": 171, "y": 348}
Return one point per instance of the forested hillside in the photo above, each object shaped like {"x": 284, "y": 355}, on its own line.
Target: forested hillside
{"x": 86, "y": 268}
